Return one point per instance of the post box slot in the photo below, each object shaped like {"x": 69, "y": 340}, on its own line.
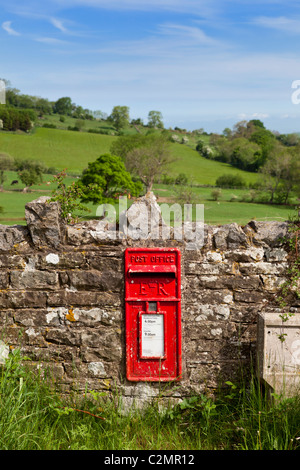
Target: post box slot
{"x": 153, "y": 268}
{"x": 151, "y": 273}
{"x": 152, "y": 306}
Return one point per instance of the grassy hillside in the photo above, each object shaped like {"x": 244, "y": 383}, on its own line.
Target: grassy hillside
{"x": 200, "y": 170}
{"x": 56, "y": 148}
{"x": 73, "y": 150}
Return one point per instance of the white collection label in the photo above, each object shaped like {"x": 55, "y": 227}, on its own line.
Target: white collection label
{"x": 152, "y": 335}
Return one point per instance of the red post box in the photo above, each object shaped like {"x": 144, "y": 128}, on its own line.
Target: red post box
{"x": 153, "y": 314}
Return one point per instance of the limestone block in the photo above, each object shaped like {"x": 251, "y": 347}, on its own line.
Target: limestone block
{"x": 10, "y": 236}
{"x": 270, "y": 233}
{"x": 44, "y": 222}
{"x": 33, "y": 280}
{"x": 142, "y": 218}
{"x": 22, "y": 299}
{"x": 103, "y": 281}
{"x": 229, "y": 236}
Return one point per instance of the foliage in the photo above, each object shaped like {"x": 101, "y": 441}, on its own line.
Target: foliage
{"x": 34, "y": 416}
{"x": 155, "y": 119}
{"x": 290, "y": 289}
{"x": 281, "y": 173}
{"x": 68, "y": 197}
{"x": 63, "y": 105}
{"x": 119, "y": 117}
{"x": 230, "y": 181}
{"x": 105, "y": 179}
{"x": 6, "y": 163}
{"x": 14, "y": 119}
{"x": 204, "y": 149}
{"x": 181, "y": 179}
{"x": 240, "y": 417}
{"x": 125, "y": 144}
{"x": 149, "y": 161}
{"x": 216, "y": 194}
{"x": 30, "y": 171}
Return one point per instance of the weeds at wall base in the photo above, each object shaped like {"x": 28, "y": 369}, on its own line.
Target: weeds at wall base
{"x": 33, "y": 416}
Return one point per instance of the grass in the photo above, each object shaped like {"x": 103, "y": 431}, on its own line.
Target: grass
{"x": 201, "y": 170}
{"x": 33, "y": 416}
{"x": 73, "y": 150}
{"x": 227, "y": 210}
{"x": 215, "y": 212}
{"x": 56, "y": 148}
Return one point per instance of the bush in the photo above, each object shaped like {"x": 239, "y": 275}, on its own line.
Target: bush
{"x": 231, "y": 181}
{"x": 166, "y": 179}
{"x": 49, "y": 125}
{"x": 181, "y": 179}
{"x": 14, "y": 119}
{"x": 216, "y": 194}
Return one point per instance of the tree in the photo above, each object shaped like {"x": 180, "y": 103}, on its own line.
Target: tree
{"x": 279, "y": 171}
{"x": 184, "y": 194}
{"x": 245, "y": 155}
{"x": 6, "y": 163}
{"x": 155, "y": 119}
{"x": 30, "y": 172}
{"x": 43, "y": 106}
{"x": 63, "y": 106}
{"x": 291, "y": 175}
{"x": 105, "y": 179}
{"x": 149, "y": 161}
{"x": 124, "y": 144}
{"x": 119, "y": 117}
{"x": 14, "y": 119}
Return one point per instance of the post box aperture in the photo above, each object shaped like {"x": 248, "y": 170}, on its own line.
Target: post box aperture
{"x": 153, "y": 314}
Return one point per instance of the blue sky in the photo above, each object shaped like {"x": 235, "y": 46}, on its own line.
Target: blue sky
{"x": 202, "y": 63}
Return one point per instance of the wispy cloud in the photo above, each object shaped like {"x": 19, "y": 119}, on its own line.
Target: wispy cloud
{"x": 58, "y": 24}
{"x": 52, "y": 41}
{"x": 192, "y": 33}
{"x": 7, "y": 27}
{"x": 168, "y": 40}
{"x": 280, "y": 23}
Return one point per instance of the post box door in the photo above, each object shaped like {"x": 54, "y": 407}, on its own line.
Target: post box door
{"x": 153, "y": 314}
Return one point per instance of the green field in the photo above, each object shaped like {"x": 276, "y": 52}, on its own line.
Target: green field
{"x": 56, "y": 148}
{"x": 73, "y": 150}
{"x": 201, "y": 170}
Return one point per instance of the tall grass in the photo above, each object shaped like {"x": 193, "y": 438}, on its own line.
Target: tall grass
{"x": 33, "y": 416}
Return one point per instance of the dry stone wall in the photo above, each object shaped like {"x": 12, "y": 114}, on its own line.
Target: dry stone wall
{"x": 62, "y": 300}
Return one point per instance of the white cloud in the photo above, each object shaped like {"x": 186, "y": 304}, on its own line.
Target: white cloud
{"x": 169, "y": 40}
{"x": 51, "y": 41}
{"x": 188, "y": 32}
{"x": 58, "y": 24}
{"x": 281, "y": 23}
{"x": 245, "y": 116}
{"x": 7, "y": 27}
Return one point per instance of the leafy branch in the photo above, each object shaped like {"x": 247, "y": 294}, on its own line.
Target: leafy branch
{"x": 68, "y": 197}
{"x": 290, "y": 288}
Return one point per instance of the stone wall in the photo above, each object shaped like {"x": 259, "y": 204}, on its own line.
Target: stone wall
{"x": 62, "y": 300}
